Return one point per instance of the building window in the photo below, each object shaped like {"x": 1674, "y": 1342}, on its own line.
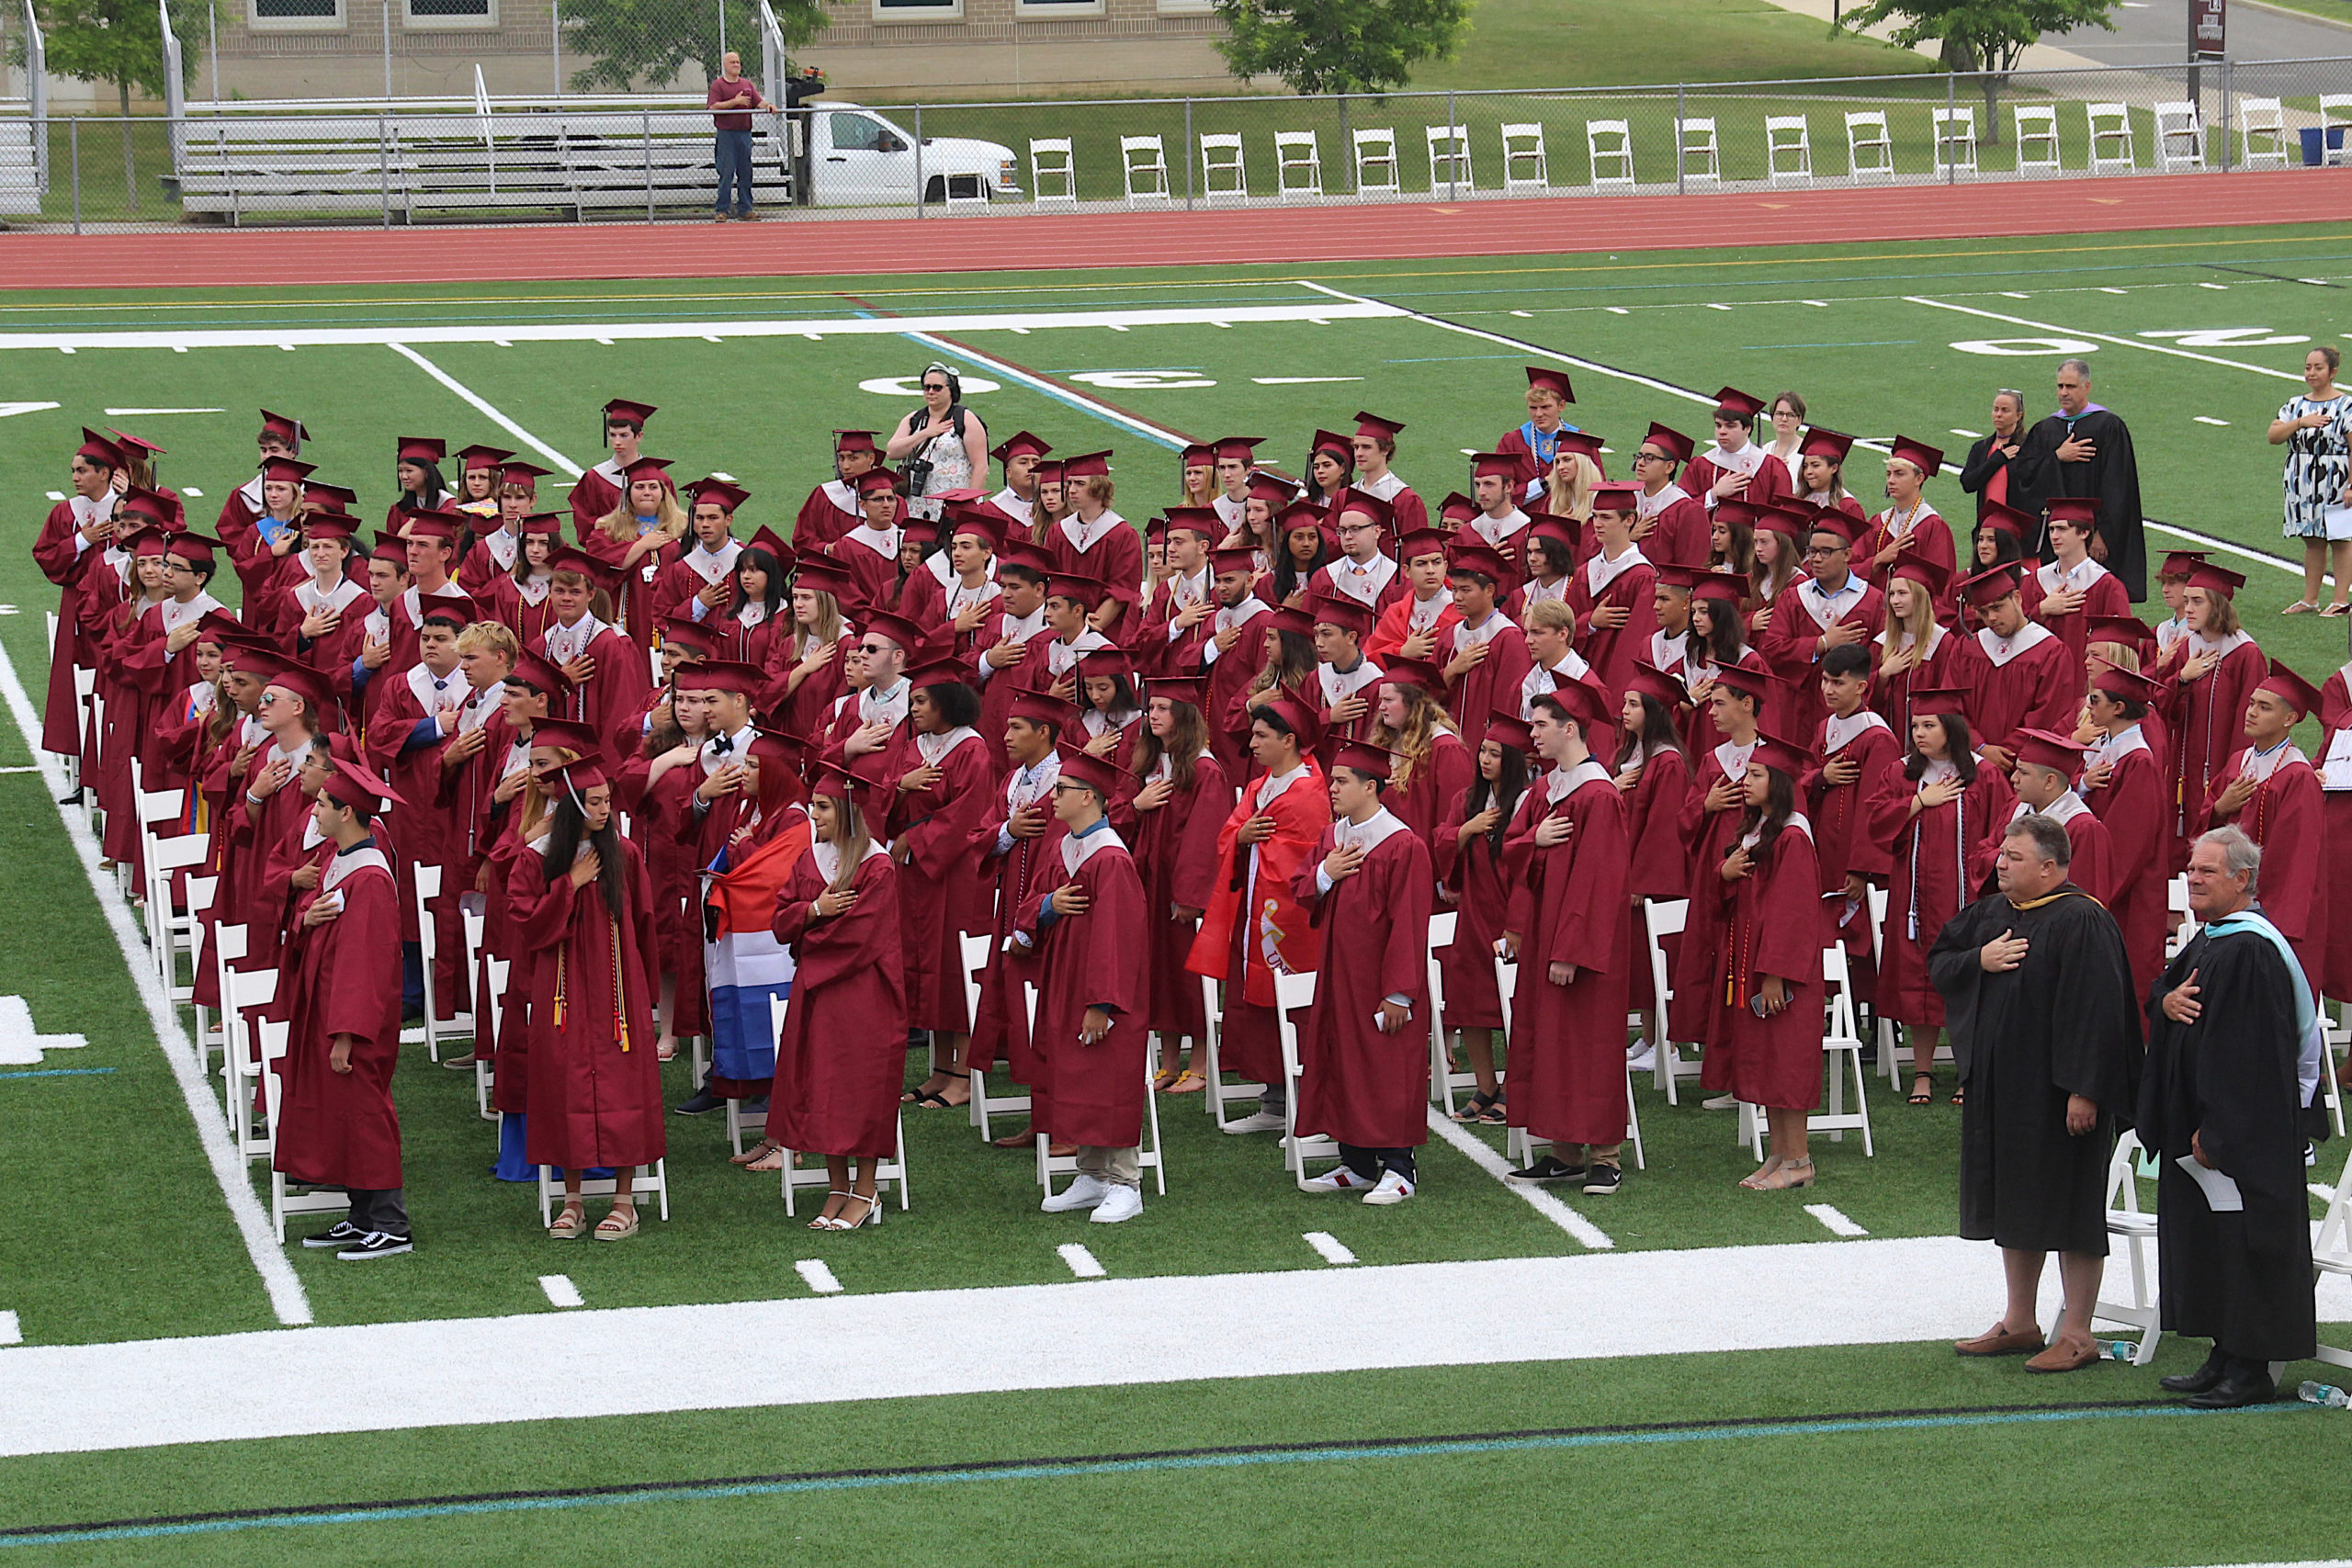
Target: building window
{"x": 293, "y": 16}
{"x": 918, "y": 10}
{"x": 426, "y": 15}
{"x": 1187, "y": 7}
{"x": 1050, "y": 10}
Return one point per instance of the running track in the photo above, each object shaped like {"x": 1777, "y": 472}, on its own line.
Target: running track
{"x": 1557, "y": 225}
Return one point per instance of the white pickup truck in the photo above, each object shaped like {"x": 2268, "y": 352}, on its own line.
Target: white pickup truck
{"x": 857, "y": 158}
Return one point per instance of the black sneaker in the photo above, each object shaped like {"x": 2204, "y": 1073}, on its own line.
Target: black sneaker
{"x": 1551, "y": 1167}
{"x": 344, "y": 1234}
{"x": 376, "y": 1244}
{"x": 1602, "y": 1180}
{"x": 703, "y": 1103}
{"x": 755, "y": 1107}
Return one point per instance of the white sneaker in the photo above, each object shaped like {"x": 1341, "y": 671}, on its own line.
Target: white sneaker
{"x": 1118, "y": 1203}
{"x": 1083, "y": 1193}
{"x": 1258, "y": 1121}
{"x": 1339, "y": 1179}
{"x": 1643, "y": 1060}
{"x": 1392, "y": 1188}
{"x": 1720, "y": 1103}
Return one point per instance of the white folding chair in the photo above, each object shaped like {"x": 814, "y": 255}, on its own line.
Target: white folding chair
{"x": 1050, "y": 158}
{"x": 1444, "y": 1082}
{"x": 1449, "y": 158}
{"x": 1293, "y": 997}
{"x": 1663, "y": 918}
{"x": 2262, "y": 133}
{"x": 2034, "y": 131}
{"x": 1298, "y": 166}
{"x": 458, "y": 1025}
{"x": 493, "y": 1012}
{"x": 1377, "y": 171}
{"x": 271, "y": 1038}
{"x": 1225, "y": 177}
{"x": 1142, "y": 163}
{"x": 2334, "y": 126}
{"x": 976, "y": 952}
{"x": 1608, "y": 148}
{"x": 2180, "y": 138}
{"x": 201, "y": 892}
{"x": 1525, "y": 166}
{"x": 1841, "y": 1038}
{"x": 1518, "y": 1144}
{"x": 1788, "y": 150}
{"x": 1869, "y": 146}
{"x": 891, "y": 1173}
{"x": 174, "y": 931}
{"x": 650, "y": 1178}
{"x": 1220, "y": 1094}
{"x": 2110, "y": 135}
{"x": 1695, "y": 145}
{"x": 72, "y": 764}
{"x": 2177, "y": 903}
{"x": 1955, "y": 141}
{"x": 89, "y": 712}
{"x": 2138, "y": 1229}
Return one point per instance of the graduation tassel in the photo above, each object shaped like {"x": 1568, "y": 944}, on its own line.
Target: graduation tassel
{"x": 559, "y": 987}
{"x": 620, "y": 1013}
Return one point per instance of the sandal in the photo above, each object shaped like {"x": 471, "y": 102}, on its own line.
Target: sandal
{"x": 929, "y": 1100}
{"x": 1166, "y": 1076}
{"x": 619, "y": 1225}
{"x": 1188, "y": 1082}
{"x": 1474, "y": 1109}
{"x": 666, "y": 1050}
{"x": 1496, "y": 1115}
{"x": 1960, "y": 1096}
{"x": 570, "y": 1224}
{"x": 758, "y": 1151}
{"x": 1758, "y": 1179}
{"x": 1787, "y": 1176}
{"x": 2336, "y": 607}
{"x": 772, "y": 1160}
{"x": 2300, "y": 607}
{"x": 826, "y": 1222}
{"x": 1923, "y": 1096}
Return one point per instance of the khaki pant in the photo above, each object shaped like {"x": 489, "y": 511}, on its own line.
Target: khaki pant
{"x": 1116, "y": 1167}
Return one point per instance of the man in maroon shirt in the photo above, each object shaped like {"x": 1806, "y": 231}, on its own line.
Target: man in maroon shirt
{"x": 731, "y": 99}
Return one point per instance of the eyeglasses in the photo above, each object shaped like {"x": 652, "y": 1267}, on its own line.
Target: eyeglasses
{"x": 1649, "y": 457}
{"x": 1812, "y": 550}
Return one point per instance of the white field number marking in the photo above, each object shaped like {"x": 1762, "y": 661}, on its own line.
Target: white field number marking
{"x": 561, "y": 1291}
{"x": 19, "y": 1047}
{"x": 818, "y": 1277}
{"x": 1082, "y": 1262}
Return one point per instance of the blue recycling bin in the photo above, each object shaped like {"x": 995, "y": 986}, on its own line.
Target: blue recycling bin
{"x": 2313, "y": 158}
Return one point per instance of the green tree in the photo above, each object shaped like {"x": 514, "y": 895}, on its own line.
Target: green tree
{"x": 120, "y": 42}
{"x": 646, "y": 43}
{"x": 1986, "y": 36}
{"x": 1339, "y": 46}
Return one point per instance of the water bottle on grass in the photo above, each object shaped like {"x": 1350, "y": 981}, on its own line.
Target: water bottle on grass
{"x": 2321, "y": 1394}
{"x": 2117, "y": 1349}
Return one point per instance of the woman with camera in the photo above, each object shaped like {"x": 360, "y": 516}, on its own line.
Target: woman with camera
{"x": 942, "y": 446}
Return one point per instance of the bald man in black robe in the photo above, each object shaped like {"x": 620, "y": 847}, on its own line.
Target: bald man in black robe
{"x": 2084, "y": 449}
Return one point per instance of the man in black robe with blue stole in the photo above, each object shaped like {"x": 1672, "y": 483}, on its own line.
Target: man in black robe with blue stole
{"x": 2231, "y": 1063}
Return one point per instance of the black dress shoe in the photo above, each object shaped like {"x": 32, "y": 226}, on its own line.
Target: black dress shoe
{"x": 2235, "y": 1392}
{"x": 2202, "y": 1380}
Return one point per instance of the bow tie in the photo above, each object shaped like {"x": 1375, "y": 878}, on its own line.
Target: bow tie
{"x": 723, "y": 745}
{"x": 442, "y": 685}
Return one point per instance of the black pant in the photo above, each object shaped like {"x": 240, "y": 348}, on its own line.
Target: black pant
{"x": 1369, "y": 1163}
{"x": 382, "y": 1209}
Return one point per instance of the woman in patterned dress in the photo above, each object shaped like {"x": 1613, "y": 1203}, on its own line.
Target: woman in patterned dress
{"x": 2315, "y": 427}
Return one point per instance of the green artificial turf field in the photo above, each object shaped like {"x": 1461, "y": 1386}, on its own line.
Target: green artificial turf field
{"x": 115, "y": 1229}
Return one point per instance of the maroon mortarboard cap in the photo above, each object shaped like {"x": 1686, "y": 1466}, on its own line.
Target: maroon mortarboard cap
{"x": 776, "y": 746}
{"x": 1234, "y": 560}
{"x": 624, "y": 410}
{"x": 359, "y": 789}
{"x": 720, "y": 675}
{"x": 125, "y": 439}
{"x": 454, "y": 609}
{"x": 1728, "y": 587}
{"x": 1830, "y": 445}
{"x": 1932, "y": 575}
{"x": 1299, "y": 516}
{"x": 1242, "y": 446}
{"x": 1373, "y": 425}
{"x": 1666, "y": 687}
{"x": 767, "y": 539}
{"x": 2130, "y": 631}
{"x": 895, "y": 628}
{"x": 1791, "y": 522}
{"x": 1107, "y": 661}
{"x": 566, "y": 735}
{"x": 1350, "y": 614}
{"x": 286, "y": 427}
{"x": 875, "y": 481}
{"x": 1049, "y": 472}
{"x": 99, "y": 449}
{"x": 719, "y": 491}
{"x": 1086, "y": 465}
{"x": 418, "y": 523}
{"x": 146, "y": 541}
{"x": 1732, "y": 403}
{"x": 1420, "y": 542}
{"x": 1929, "y": 460}
{"x": 533, "y": 670}
{"x": 919, "y": 530}
{"x": 390, "y": 546}
{"x": 853, "y": 441}
{"x": 1338, "y": 446}
{"x": 473, "y": 458}
{"x": 940, "y": 667}
{"x": 1274, "y": 490}
{"x": 1097, "y": 773}
{"x": 526, "y": 474}
{"x": 1781, "y": 756}
{"x": 251, "y": 656}
{"x": 1686, "y": 578}
{"x": 686, "y": 633}
{"x": 1303, "y": 722}
{"x": 1458, "y": 508}
{"x": 1834, "y": 520}
{"x": 1756, "y": 684}
{"x": 1291, "y": 619}
{"x": 2180, "y": 563}
{"x": 1671, "y": 442}
{"x": 1475, "y": 556}
{"x": 1088, "y": 592}
{"x": 329, "y": 498}
{"x": 1012, "y": 445}
{"x": 1044, "y": 707}
{"x": 215, "y": 623}
{"x": 832, "y": 781}
{"x": 963, "y": 495}
{"x": 570, "y": 557}
{"x": 1363, "y": 757}
{"x": 304, "y": 682}
{"x": 1413, "y": 672}
{"x": 2044, "y": 750}
{"x": 2007, "y": 520}
{"x": 1020, "y": 552}
{"x": 422, "y": 448}
{"x": 577, "y": 777}
{"x": 1587, "y": 704}
{"x": 1190, "y": 690}
{"x": 1988, "y": 588}
{"x": 2129, "y": 684}
{"x": 1198, "y": 455}
{"x": 2217, "y": 579}
{"x": 1616, "y": 498}
{"x": 155, "y": 508}
{"x": 972, "y": 521}
{"x": 1583, "y": 440}
{"x": 1508, "y": 730}
{"x": 190, "y": 546}
{"x": 823, "y": 574}
{"x": 1496, "y": 465}
{"x": 1732, "y": 509}
{"x": 647, "y": 468}
{"x": 1200, "y": 520}
{"x": 541, "y": 525}
{"x": 287, "y": 471}
{"x": 1551, "y": 380}
{"x": 2080, "y": 509}
{"x": 2291, "y": 688}
{"x": 1938, "y": 700}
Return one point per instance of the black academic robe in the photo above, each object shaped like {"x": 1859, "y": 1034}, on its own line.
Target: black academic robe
{"x": 2113, "y": 475}
{"x": 2242, "y": 1279}
{"x": 2061, "y": 1023}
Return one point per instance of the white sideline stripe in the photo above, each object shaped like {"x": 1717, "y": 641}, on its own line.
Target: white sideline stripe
{"x": 817, "y": 1277}
{"x": 481, "y": 406}
{"x": 1838, "y": 1222}
{"x": 1082, "y": 1262}
{"x": 2208, "y": 542}
{"x": 2208, "y": 419}
{"x": 561, "y": 1291}
{"x": 1096, "y": 1333}
{"x": 508, "y": 332}
{"x": 2105, "y": 337}
{"x": 11, "y": 1332}
{"x": 1330, "y": 1249}
{"x": 1474, "y": 1149}
{"x": 287, "y": 1299}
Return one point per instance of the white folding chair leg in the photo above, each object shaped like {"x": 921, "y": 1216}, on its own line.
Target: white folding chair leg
{"x": 1633, "y": 1122}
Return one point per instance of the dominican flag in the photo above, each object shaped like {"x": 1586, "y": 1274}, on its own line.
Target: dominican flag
{"x": 747, "y": 968}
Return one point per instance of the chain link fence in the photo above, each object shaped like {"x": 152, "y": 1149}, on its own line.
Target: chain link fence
{"x": 648, "y": 158}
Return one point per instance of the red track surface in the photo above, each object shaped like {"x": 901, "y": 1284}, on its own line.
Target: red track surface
{"x": 217, "y": 258}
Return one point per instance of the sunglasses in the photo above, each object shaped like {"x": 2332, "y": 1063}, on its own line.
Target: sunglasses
{"x": 871, "y": 650}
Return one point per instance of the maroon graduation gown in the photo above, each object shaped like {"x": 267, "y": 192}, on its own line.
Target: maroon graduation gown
{"x": 1567, "y": 1047}
{"x": 1842, "y": 844}
{"x": 1175, "y": 853}
{"x": 1929, "y": 881}
{"x": 2204, "y": 721}
{"x": 1772, "y": 925}
{"x": 1003, "y": 1026}
{"x": 2037, "y": 687}
{"x": 2285, "y": 817}
{"x": 1481, "y": 903}
{"x": 841, "y": 1060}
{"x": 1493, "y": 685}
{"x": 2138, "y": 819}
{"x": 64, "y": 559}
{"x": 1696, "y": 1010}
{"x": 1356, "y": 1083}
{"x": 944, "y": 890}
{"x": 1657, "y": 867}
{"x": 1093, "y": 1094}
{"x": 1612, "y": 650}
{"x": 340, "y": 1129}
{"x": 1791, "y": 644}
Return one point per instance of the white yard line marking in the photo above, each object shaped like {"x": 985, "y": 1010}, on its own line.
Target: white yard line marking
{"x": 26, "y": 768}
{"x": 1612, "y": 310}
{"x": 2114, "y": 290}
{"x": 191, "y": 490}
{"x": 1528, "y": 314}
{"x": 2219, "y": 285}
{"x": 1104, "y": 412}
{"x": 2012, "y": 294}
{"x": 1299, "y": 380}
{"x": 2207, "y": 542}
{"x": 1816, "y": 304}
{"x": 56, "y": 495}
{"x": 11, "y": 1332}
{"x": 1967, "y": 434}
{"x": 1329, "y": 1246}
{"x": 1838, "y": 1222}
{"x": 481, "y": 406}
{"x": 817, "y": 1277}
{"x": 2325, "y": 1194}
{"x": 561, "y": 1291}
{"x": 286, "y": 1296}
{"x": 1474, "y": 1149}
{"x": 2103, "y": 337}
{"x": 1082, "y": 1262}
{"x": 2208, "y": 419}
{"x": 1716, "y": 307}
{"x": 142, "y": 414}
